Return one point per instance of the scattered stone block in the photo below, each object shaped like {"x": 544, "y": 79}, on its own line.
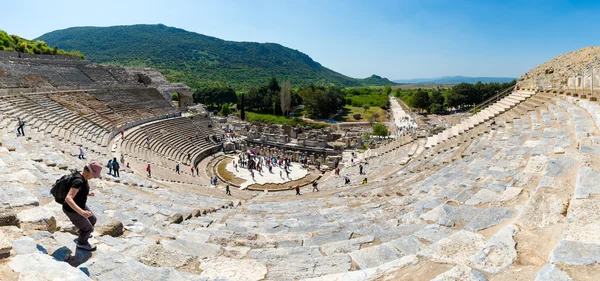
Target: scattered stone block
{"x": 38, "y": 266}
{"x": 38, "y": 218}
{"x": 110, "y": 227}
{"x": 8, "y": 217}
{"x": 489, "y": 217}
{"x": 552, "y": 273}
{"x": 374, "y": 256}
{"x": 346, "y": 246}
{"x": 460, "y": 272}
{"x": 5, "y": 247}
{"x": 587, "y": 183}
{"x": 223, "y": 268}
{"x": 499, "y": 253}
{"x": 575, "y": 253}
{"x": 457, "y": 248}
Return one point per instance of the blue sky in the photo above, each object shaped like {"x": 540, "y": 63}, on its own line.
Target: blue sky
{"x": 394, "y": 39}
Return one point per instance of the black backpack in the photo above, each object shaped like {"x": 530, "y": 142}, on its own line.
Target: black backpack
{"x": 61, "y": 187}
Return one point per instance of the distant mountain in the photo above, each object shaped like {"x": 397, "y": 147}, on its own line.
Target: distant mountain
{"x": 199, "y": 60}
{"x": 455, "y": 80}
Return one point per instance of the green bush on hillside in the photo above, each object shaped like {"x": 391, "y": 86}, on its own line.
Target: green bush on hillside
{"x": 13, "y": 43}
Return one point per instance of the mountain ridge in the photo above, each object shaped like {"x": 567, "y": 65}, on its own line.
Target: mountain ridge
{"x": 454, "y": 80}
{"x": 200, "y": 60}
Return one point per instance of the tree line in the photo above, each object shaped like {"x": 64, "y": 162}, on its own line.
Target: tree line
{"x": 280, "y": 98}
{"x": 460, "y": 97}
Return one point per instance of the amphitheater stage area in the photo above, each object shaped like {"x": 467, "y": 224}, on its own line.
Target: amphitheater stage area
{"x": 296, "y": 172}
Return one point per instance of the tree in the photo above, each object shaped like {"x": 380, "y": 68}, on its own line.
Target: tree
{"x": 225, "y": 110}
{"x": 421, "y": 100}
{"x": 387, "y": 90}
{"x": 366, "y": 106}
{"x": 321, "y": 102}
{"x": 242, "y": 107}
{"x": 437, "y": 102}
{"x": 380, "y": 130}
{"x": 285, "y": 95}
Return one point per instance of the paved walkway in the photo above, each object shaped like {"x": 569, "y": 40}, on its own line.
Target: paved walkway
{"x": 297, "y": 172}
{"x": 402, "y": 120}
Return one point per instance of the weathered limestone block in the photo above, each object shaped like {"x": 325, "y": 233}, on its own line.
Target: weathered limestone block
{"x": 489, "y": 217}
{"x": 160, "y": 256}
{"x": 233, "y": 269}
{"x": 499, "y": 253}
{"x": 8, "y": 217}
{"x": 38, "y": 266}
{"x": 460, "y": 272}
{"x": 551, "y": 273}
{"x": 345, "y": 246}
{"x": 5, "y": 246}
{"x": 583, "y": 221}
{"x": 541, "y": 210}
{"x": 110, "y": 227}
{"x": 374, "y": 256}
{"x": 457, "y": 248}
{"x": 587, "y": 183}
{"x": 575, "y": 253}
{"x": 38, "y": 218}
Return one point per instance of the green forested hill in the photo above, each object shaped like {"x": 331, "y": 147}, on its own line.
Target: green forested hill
{"x": 199, "y": 60}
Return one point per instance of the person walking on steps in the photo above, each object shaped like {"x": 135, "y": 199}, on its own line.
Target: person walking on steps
{"x": 109, "y": 166}
{"x": 149, "y": 171}
{"x": 314, "y": 184}
{"x": 227, "y": 190}
{"x": 177, "y": 168}
{"x": 81, "y": 154}
{"x": 75, "y": 207}
{"x": 297, "y": 190}
{"x": 20, "y": 127}
{"x": 115, "y": 167}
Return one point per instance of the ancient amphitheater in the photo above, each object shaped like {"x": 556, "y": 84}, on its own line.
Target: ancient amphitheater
{"x": 516, "y": 200}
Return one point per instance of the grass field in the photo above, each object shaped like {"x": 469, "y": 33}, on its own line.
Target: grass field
{"x": 348, "y": 114}
{"x": 273, "y": 119}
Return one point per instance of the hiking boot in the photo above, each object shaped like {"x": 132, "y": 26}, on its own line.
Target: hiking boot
{"x": 87, "y": 247}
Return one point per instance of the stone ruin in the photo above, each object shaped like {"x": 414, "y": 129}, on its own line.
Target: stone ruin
{"x": 514, "y": 201}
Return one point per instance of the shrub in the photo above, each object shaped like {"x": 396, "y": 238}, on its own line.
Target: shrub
{"x": 357, "y": 116}
{"x": 225, "y": 110}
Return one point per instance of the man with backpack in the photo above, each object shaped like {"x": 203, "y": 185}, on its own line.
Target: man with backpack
{"x": 115, "y": 167}
{"x": 72, "y": 192}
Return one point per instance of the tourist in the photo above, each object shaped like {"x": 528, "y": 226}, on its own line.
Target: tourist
{"x": 360, "y": 168}
{"x": 280, "y": 174}
{"x": 297, "y": 190}
{"x": 196, "y": 170}
{"x": 149, "y": 171}
{"x": 192, "y": 170}
{"x": 122, "y": 134}
{"x": 235, "y": 166}
{"x": 364, "y": 181}
{"x": 227, "y": 190}
{"x": 75, "y": 204}
{"x": 109, "y": 166}
{"x": 20, "y": 127}
{"x": 314, "y": 184}
{"x": 216, "y": 180}
{"x": 148, "y": 141}
{"x": 177, "y": 168}
{"x": 81, "y": 154}
{"x": 123, "y": 160}
{"x": 115, "y": 167}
